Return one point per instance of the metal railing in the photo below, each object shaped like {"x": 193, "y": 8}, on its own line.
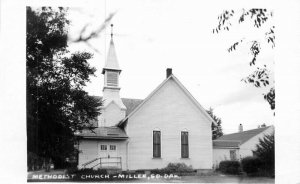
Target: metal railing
{"x": 105, "y": 163}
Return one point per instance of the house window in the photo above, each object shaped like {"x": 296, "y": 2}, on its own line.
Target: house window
{"x": 113, "y": 147}
{"x": 233, "y": 155}
{"x": 156, "y": 144}
{"x": 184, "y": 145}
{"x": 103, "y": 147}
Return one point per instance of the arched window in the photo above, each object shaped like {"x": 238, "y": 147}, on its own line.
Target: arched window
{"x": 184, "y": 144}
{"x": 156, "y": 143}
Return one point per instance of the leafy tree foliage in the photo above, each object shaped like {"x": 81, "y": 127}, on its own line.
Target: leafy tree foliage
{"x": 216, "y": 130}
{"x": 270, "y": 97}
{"x": 57, "y": 105}
{"x": 265, "y": 151}
{"x": 230, "y": 166}
{"x": 251, "y": 165}
{"x": 258, "y": 17}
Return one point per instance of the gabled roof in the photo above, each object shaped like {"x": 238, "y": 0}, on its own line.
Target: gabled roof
{"x": 157, "y": 89}
{"x": 242, "y": 137}
{"x": 225, "y": 144}
{"x": 104, "y": 133}
{"x": 130, "y": 103}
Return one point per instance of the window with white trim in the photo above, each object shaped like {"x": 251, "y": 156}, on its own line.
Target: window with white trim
{"x": 103, "y": 147}
{"x": 112, "y": 147}
{"x": 184, "y": 144}
{"x": 156, "y": 144}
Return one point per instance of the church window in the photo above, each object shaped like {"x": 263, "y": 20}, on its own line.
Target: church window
{"x": 184, "y": 144}
{"x": 156, "y": 144}
{"x": 103, "y": 147}
{"x": 112, "y": 147}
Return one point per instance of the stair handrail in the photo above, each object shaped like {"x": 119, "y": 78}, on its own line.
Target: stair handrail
{"x": 99, "y": 158}
{"x": 89, "y": 162}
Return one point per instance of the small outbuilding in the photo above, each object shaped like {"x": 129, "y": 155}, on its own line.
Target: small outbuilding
{"x": 238, "y": 145}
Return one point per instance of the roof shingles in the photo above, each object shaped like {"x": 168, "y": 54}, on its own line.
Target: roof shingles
{"x": 130, "y": 103}
{"x": 111, "y": 132}
{"x": 226, "y": 144}
{"x": 104, "y": 133}
{"x": 236, "y": 139}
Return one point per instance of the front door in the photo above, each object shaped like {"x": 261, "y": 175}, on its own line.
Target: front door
{"x": 103, "y": 151}
{"x": 109, "y": 156}
{"x": 112, "y": 153}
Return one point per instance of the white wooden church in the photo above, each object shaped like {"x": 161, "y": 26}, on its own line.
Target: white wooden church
{"x": 168, "y": 126}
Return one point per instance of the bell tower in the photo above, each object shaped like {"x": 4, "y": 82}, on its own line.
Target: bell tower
{"x": 111, "y": 70}
{"x": 113, "y": 109}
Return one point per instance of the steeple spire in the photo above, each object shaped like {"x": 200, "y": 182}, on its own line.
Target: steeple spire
{"x": 111, "y": 60}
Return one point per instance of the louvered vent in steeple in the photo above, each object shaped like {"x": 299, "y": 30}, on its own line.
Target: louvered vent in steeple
{"x": 112, "y": 79}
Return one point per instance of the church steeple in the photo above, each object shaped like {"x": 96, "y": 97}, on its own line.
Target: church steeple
{"x": 111, "y": 70}
{"x": 113, "y": 109}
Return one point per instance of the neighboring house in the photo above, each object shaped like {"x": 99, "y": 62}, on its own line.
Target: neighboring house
{"x": 238, "y": 145}
{"x": 167, "y": 126}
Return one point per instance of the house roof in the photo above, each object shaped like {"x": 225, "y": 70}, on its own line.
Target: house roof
{"x": 225, "y": 144}
{"x": 242, "y": 137}
{"x": 160, "y": 86}
{"x": 104, "y": 133}
{"x": 130, "y": 103}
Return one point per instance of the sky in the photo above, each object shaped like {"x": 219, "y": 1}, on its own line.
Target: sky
{"x": 151, "y": 36}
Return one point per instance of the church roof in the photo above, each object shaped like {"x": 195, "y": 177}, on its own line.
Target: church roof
{"x": 170, "y": 77}
{"x": 104, "y": 133}
{"x": 241, "y": 137}
{"x": 130, "y": 103}
{"x": 111, "y": 60}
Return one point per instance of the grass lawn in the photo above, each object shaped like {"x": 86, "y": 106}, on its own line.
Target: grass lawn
{"x": 213, "y": 179}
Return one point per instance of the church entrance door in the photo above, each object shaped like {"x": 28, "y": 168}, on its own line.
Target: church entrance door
{"x": 109, "y": 156}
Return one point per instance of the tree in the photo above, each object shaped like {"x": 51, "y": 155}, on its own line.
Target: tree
{"x": 57, "y": 105}
{"x": 86, "y": 34}
{"x": 258, "y": 17}
{"x": 216, "y": 129}
{"x": 265, "y": 151}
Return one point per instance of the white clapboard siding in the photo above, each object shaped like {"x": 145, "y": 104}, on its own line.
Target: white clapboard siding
{"x": 250, "y": 145}
{"x": 90, "y": 149}
{"x": 171, "y": 111}
{"x": 112, "y": 114}
{"x": 221, "y": 154}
